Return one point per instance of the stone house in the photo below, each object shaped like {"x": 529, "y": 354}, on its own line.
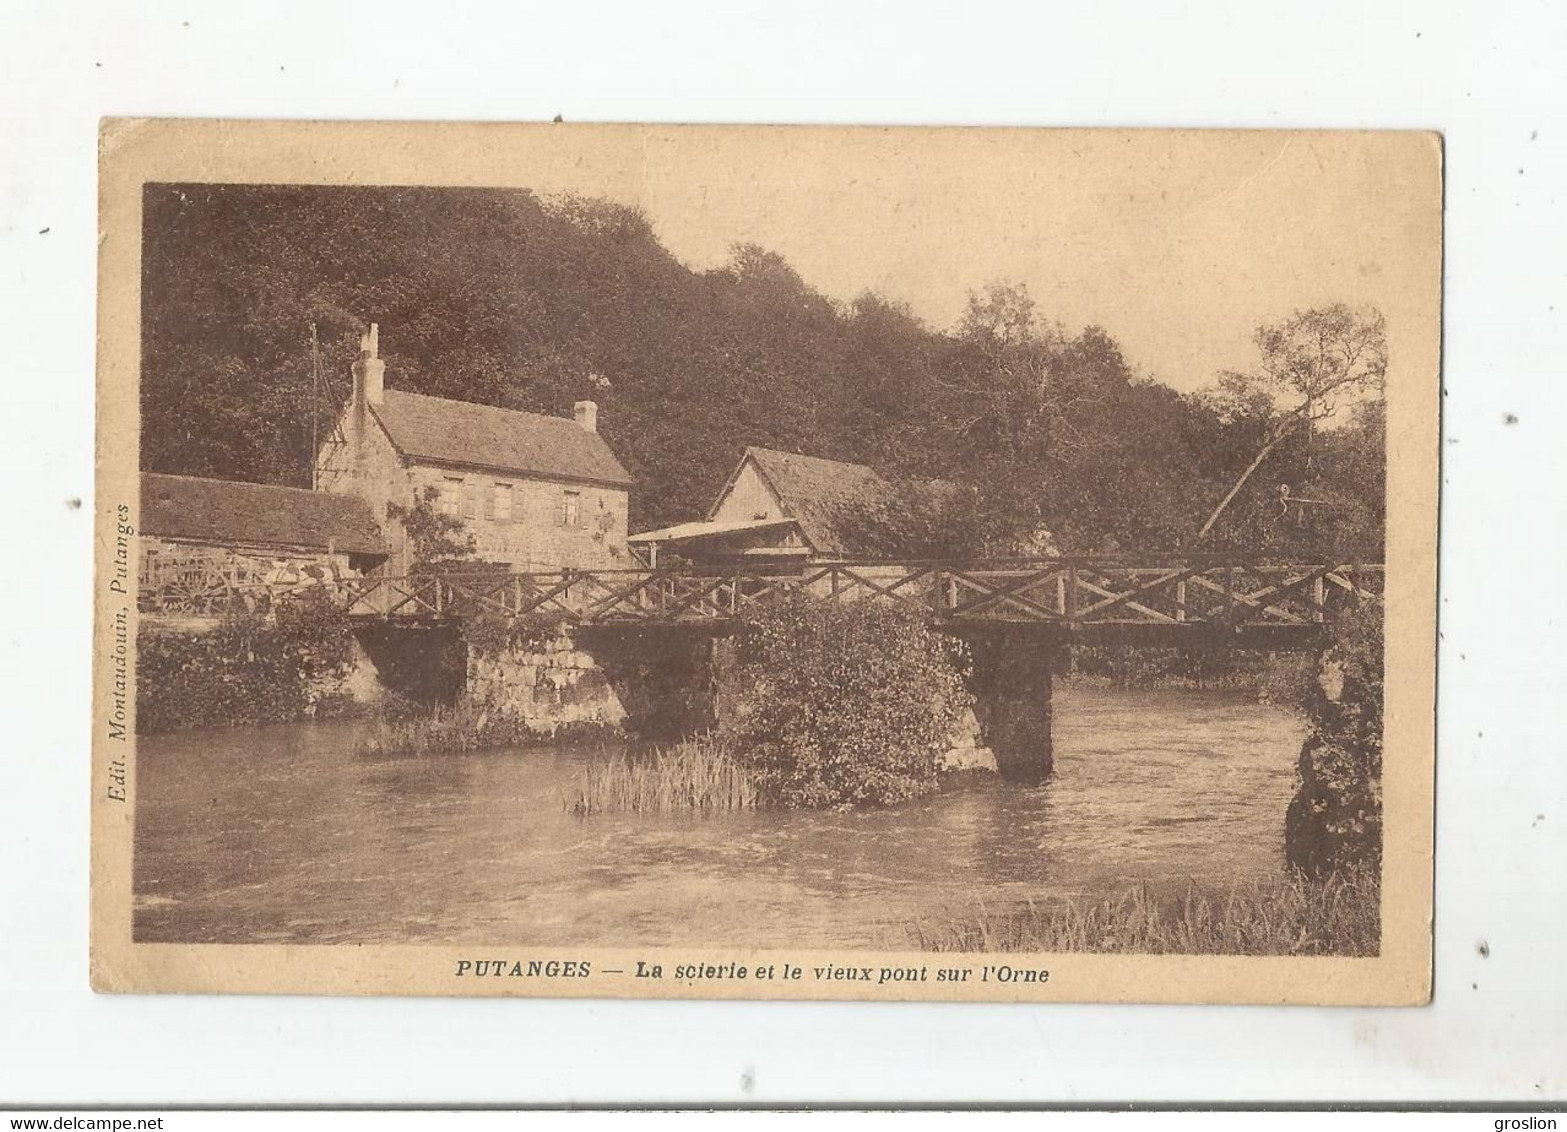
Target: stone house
{"x": 537, "y": 492}
{"x": 785, "y": 508}
{"x": 197, "y": 534}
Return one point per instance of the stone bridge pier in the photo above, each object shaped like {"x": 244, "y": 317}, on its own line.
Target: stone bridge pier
{"x": 1011, "y": 680}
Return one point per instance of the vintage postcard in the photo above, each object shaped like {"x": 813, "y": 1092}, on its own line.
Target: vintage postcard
{"x": 952, "y": 564}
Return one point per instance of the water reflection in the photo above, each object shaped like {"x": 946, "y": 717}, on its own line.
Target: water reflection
{"x": 282, "y": 834}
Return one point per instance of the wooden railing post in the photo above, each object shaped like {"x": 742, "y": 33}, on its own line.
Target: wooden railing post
{"x": 1070, "y": 615}
{"x": 1180, "y": 600}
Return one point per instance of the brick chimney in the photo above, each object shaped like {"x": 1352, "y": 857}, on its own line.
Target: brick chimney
{"x": 369, "y": 370}
{"x": 587, "y": 414}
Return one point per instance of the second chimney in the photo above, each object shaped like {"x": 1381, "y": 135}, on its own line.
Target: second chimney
{"x": 369, "y": 370}
{"x": 587, "y": 414}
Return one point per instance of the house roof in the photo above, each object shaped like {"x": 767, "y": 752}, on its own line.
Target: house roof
{"x": 842, "y": 508}
{"x": 461, "y": 432}
{"x": 226, "y": 512}
{"x": 684, "y": 532}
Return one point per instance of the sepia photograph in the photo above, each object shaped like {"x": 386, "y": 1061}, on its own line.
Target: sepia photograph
{"x": 767, "y": 562}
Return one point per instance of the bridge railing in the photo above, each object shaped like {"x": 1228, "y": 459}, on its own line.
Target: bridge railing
{"x": 1069, "y": 592}
{"x": 1231, "y": 593}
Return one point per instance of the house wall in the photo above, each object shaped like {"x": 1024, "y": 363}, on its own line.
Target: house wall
{"x": 537, "y": 536}
{"x": 748, "y": 498}
{"x": 370, "y": 467}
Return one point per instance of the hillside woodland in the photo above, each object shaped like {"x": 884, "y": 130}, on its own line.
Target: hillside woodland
{"x": 1048, "y": 436}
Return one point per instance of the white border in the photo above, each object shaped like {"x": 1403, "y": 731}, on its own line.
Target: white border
{"x": 1488, "y": 77}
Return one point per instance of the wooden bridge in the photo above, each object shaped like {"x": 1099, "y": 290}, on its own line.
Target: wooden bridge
{"x": 1157, "y": 599}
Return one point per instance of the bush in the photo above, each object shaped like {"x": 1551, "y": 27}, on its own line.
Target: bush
{"x": 844, "y": 705}
{"x": 1335, "y": 819}
{"x": 315, "y": 630}
{"x": 1287, "y": 679}
{"x": 247, "y": 670}
{"x": 491, "y": 634}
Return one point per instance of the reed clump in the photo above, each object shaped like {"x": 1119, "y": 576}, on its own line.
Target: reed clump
{"x": 700, "y": 773}
{"x": 1297, "y": 915}
{"x": 444, "y": 729}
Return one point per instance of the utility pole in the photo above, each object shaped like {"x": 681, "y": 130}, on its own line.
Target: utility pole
{"x": 315, "y": 409}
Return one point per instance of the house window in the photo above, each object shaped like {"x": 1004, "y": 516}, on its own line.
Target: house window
{"x": 500, "y": 503}
{"x": 571, "y": 509}
{"x": 451, "y": 495}
{"x": 472, "y": 493}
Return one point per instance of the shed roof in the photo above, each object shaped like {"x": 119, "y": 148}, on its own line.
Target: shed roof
{"x": 843, "y": 508}
{"x": 230, "y": 513}
{"x": 461, "y": 432}
{"x": 683, "y": 532}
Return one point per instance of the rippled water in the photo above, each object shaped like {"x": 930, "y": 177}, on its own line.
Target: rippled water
{"x": 284, "y": 835}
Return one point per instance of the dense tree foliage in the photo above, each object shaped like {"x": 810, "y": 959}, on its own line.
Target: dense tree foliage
{"x": 1048, "y": 439}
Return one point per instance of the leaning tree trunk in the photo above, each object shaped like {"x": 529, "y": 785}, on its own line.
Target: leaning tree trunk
{"x": 1244, "y": 476}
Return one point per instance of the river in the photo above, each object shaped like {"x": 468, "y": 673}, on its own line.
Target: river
{"x": 282, "y": 834}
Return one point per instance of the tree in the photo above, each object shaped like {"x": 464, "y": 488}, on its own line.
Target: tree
{"x": 1355, "y": 481}
{"x": 1065, "y": 446}
{"x": 1307, "y": 366}
{"x": 996, "y": 416}
{"x": 435, "y": 538}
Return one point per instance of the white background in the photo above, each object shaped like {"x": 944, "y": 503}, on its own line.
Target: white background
{"x": 1490, "y": 76}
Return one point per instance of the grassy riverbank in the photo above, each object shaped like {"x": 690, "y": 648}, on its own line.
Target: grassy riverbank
{"x": 697, "y": 774}
{"x": 1338, "y": 915}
